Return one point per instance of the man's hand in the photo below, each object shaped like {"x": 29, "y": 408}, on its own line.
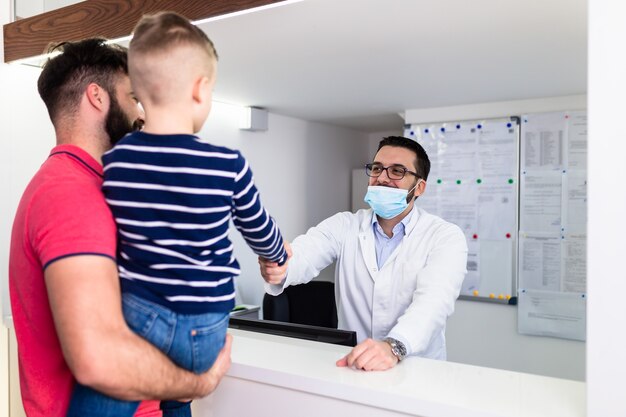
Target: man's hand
{"x": 370, "y": 355}
{"x": 211, "y": 378}
{"x": 271, "y": 272}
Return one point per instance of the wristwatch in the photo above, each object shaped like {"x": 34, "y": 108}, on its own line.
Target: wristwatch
{"x": 397, "y": 347}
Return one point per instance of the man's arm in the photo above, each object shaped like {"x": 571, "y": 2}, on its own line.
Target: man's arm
{"x": 437, "y": 286}
{"x": 100, "y": 349}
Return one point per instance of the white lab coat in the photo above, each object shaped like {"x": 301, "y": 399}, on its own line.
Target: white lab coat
{"x": 409, "y": 298}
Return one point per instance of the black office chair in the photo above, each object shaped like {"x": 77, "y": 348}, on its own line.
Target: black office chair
{"x": 312, "y": 304}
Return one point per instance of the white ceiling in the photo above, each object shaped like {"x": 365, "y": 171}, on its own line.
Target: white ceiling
{"x": 358, "y": 63}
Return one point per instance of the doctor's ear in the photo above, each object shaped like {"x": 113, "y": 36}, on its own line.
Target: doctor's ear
{"x": 420, "y": 187}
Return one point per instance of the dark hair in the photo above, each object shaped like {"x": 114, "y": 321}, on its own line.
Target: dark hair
{"x": 66, "y": 76}
{"x": 162, "y": 30}
{"x": 422, "y": 163}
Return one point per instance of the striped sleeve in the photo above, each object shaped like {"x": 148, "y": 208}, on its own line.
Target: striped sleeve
{"x": 257, "y": 227}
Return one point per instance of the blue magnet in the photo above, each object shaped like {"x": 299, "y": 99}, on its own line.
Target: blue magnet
{"x": 508, "y": 125}
{"x": 443, "y": 129}
{"x": 480, "y": 126}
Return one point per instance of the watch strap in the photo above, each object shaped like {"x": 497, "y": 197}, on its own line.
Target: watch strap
{"x": 397, "y": 347}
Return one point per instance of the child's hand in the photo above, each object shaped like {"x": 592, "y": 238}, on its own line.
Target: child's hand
{"x": 273, "y": 273}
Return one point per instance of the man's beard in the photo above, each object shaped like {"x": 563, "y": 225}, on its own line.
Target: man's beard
{"x": 117, "y": 124}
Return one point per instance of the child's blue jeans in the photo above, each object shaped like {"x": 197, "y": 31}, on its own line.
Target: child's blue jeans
{"x": 190, "y": 341}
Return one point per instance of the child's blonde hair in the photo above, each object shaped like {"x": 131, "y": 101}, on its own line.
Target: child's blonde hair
{"x": 152, "y": 55}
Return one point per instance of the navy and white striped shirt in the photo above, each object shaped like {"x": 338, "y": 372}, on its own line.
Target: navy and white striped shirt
{"x": 172, "y": 197}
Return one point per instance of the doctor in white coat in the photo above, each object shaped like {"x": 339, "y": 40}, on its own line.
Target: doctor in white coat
{"x": 399, "y": 269}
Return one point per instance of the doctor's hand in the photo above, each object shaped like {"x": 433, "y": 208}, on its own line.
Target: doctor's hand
{"x": 271, "y": 272}
{"x": 370, "y": 355}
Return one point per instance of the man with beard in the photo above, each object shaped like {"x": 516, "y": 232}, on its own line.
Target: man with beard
{"x": 64, "y": 287}
{"x": 399, "y": 269}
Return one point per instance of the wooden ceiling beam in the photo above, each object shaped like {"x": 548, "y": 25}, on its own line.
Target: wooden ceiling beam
{"x": 104, "y": 18}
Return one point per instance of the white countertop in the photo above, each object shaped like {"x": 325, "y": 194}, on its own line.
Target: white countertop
{"x": 417, "y": 386}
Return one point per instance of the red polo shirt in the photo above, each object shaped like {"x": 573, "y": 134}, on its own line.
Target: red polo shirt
{"x": 62, "y": 213}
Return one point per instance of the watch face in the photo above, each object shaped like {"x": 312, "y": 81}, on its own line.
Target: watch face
{"x": 401, "y": 350}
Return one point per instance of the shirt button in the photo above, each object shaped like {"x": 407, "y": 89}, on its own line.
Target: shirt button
{"x": 374, "y": 269}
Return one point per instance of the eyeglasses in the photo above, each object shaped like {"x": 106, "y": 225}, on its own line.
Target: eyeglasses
{"x": 394, "y": 172}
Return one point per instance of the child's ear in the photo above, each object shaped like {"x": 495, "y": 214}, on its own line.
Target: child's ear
{"x": 201, "y": 90}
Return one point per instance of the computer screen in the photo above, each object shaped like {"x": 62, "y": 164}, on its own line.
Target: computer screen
{"x": 299, "y": 331}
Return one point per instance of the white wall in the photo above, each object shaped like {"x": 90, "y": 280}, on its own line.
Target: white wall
{"x": 302, "y": 171}
{"x": 486, "y": 334}
{"x": 606, "y": 363}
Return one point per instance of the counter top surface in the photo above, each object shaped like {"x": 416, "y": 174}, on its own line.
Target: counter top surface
{"x": 416, "y": 386}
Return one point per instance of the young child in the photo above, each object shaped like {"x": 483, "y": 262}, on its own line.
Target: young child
{"x": 172, "y": 196}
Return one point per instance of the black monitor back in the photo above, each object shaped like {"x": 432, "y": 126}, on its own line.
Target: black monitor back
{"x": 299, "y": 331}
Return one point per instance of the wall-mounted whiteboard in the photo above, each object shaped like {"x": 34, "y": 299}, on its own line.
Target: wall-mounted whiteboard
{"x": 473, "y": 183}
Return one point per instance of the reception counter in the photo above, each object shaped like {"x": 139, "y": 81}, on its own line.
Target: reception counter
{"x": 278, "y": 376}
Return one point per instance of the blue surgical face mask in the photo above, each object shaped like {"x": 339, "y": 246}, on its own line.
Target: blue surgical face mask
{"x": 387, "y": 202}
